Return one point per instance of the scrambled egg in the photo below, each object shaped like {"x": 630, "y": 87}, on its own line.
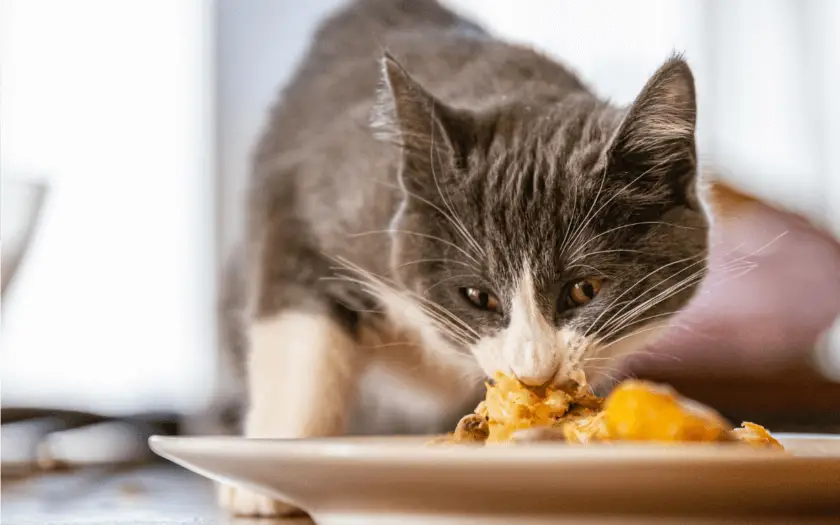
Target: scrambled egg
{"x": 634, "y": 411}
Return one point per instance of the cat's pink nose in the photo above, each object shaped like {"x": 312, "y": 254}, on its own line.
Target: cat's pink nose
{"x": 535, "y": 365}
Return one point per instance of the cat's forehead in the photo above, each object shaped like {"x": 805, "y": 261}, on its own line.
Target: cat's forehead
{"x": 539, "y": 177}
{"x": 552, "y": 127}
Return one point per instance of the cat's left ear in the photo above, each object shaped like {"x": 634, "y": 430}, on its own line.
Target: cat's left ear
{"x": 434, "y": 137}
{"x": 654, "y": 147}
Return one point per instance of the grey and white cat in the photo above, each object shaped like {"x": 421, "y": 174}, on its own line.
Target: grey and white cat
{"x": 431, "y": 205}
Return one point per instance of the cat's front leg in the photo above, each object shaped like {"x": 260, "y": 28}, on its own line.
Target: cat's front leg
{"x": 302, "y": 373}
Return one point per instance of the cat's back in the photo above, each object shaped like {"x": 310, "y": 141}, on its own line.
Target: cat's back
{"x": 340, "y": 69}
{"x": 453, "y": 57}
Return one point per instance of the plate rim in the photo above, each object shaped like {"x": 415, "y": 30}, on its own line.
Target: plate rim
{"x": 405, "y": 451}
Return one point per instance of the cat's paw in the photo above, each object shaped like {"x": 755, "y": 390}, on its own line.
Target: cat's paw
{"x": 242, "y": 502}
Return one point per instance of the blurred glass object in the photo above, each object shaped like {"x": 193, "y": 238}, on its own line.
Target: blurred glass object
{"x": 21, "y": 203}
{"x": 828, "y": 352}
{"x": 114, "y": 308}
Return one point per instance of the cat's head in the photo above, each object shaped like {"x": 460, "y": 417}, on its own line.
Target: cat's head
{"x": 546, "y": 234}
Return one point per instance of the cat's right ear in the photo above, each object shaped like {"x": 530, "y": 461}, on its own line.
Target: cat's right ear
{"x": 655, "y": 144}
{"x": 435, "y": 138}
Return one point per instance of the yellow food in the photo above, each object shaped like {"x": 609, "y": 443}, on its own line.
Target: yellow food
{"x": 641, "y": 411}
{"x": 634, "y": 411}
{"x": 511, "y": 406}
{"x": 756, "y": 435}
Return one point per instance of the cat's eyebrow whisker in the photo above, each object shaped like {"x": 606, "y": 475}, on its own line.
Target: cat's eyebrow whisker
{"x": 421, "y": 261}
{"x": 617, "y": 250}
{"x": 643, "y": 223}
{"x": 571, "y": 223}
{"x": 591, "y": 207}
{"x": 595, "y": 271}
{"x": 459, "y": 225}
{"x": 447, "y": 279}
{"x": 423, "y": 235}
{"x": 454, "y": 216}
{"x": 589, "y": 219}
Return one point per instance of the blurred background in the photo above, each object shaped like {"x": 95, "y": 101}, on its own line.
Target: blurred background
{"x": 126, "y": 133}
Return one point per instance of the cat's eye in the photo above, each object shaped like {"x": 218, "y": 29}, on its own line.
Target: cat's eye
{"x": 583, "y": 291}
{"x": 481, "y": 299}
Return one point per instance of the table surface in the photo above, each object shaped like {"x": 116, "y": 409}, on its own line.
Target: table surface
{"x": 148, "y": 495}
{"x": 152, "y": 494}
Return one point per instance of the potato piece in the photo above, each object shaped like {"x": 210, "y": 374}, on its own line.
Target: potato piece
{"x": 472, "y": 428}
{"x": 511, "y": 407}
{"x": 756, "y": 435}
{"x": 587, "y": 428}
{"x": 642, "y": 411}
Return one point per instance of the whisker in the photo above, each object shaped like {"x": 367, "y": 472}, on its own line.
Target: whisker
{"x": 623, "y": 322}
{"x": 586, "y": 215}
{"x": 622, "y": 338}
{"x": 617, "y": 250}
{"x": 447, "y": 279}
{"x": 423, "y": 235}
{"x": 572, "y": 223}
{"x": 668, "y": 292}
{"x": 627, "y": 290}
{"x": 613, "y": 197}
{"x": 421, "y": 261}
{"x": 456, "y": 220}
{"x": 453, "y": 220}
{"x": 427, "y": 304}
{"x": 643, "y": 223}
{"x": 631, "y": 322}
{"x": 443, "y": 323}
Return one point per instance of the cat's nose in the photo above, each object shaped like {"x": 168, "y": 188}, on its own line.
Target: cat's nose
{"x": 535, "y": 365}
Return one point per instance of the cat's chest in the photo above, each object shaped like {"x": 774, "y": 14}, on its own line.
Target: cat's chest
{"x": 406, "y": 387}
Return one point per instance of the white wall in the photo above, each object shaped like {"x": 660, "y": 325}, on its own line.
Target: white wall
{"x": 259, "y": 44}
{"x": 110, "y": 102}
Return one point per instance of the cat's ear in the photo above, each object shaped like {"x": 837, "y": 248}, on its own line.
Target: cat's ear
{"x": 434, "y": 137}
{"x": 654, "y": 147}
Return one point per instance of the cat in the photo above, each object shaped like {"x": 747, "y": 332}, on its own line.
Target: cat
{"x": 430, "y": 205}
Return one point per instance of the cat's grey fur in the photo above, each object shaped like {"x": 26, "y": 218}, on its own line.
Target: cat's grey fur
{"x": 414, "y": 151}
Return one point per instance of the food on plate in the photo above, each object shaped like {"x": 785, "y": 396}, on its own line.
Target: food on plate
{"x": 634, "y": 411}
{"x": 756, "y": 435}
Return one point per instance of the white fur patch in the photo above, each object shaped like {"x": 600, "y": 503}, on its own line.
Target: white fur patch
{"x": 301, "y": 371}
{"x": 537, "y": 352}
{"x": 242, "y": 502}
{"x": 407, "y": 316}
{"x": 531, "y": 348}
{"x": 530, "y": 345}
{"x": 415, "y": 377}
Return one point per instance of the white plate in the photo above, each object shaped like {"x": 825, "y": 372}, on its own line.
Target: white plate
{"x": 377, "y": 481}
